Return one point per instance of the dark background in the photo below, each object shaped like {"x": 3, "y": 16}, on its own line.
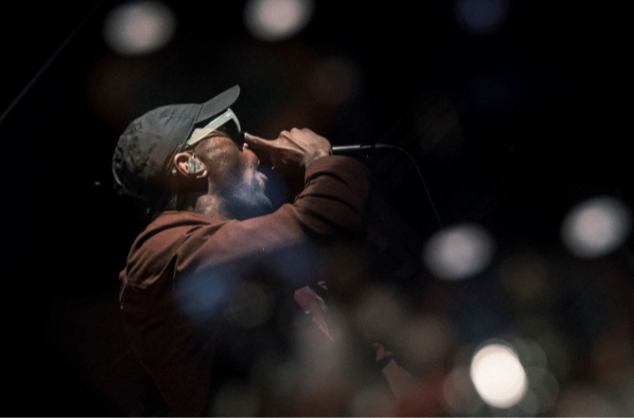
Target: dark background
{"x": 510, "y": 129}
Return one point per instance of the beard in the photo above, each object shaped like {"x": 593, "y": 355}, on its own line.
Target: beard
{"x": 248, "y": 200}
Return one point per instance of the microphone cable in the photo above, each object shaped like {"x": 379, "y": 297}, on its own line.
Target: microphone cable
{"x": 351, "y": 149}
{"x": 49, "y": 62}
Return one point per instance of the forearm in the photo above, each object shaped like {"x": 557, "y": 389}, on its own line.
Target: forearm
{"x": 334, "y": 197}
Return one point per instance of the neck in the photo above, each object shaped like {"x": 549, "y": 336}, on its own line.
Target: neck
{"x": 239, "y": 202}
{"x": 210, "y": 205}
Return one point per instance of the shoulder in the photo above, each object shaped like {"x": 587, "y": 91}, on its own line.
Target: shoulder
{"x": 157, "y": 246}
{"x": 171, "y": 228}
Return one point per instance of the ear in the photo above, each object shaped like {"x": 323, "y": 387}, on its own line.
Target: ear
{"x": 189, "y": 166}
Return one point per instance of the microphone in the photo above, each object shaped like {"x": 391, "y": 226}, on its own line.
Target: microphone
{"x": 351, "y": 149}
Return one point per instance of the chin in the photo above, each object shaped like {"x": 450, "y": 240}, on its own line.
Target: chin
{"x": 248, "y": 203}
{"x": 261, "y": 205}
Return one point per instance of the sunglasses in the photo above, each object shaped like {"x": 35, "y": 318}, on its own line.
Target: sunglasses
{"x": 221, "y": 123}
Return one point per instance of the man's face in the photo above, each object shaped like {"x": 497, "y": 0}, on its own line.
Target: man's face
{"x": 234, "y": 175}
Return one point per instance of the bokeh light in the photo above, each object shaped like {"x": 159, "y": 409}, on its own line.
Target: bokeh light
{"x": 458, "y": 252}
{"x": 427, "y": 340}
{"x": 334, "y": 81}
{"x": 525, "y": 277}
{"x": 543, "y": 387}
{"x": 531, "y": 353}
{"x": 459, "y": 393}
{"x": 595, "y": 227}
{"x": 581, "y": 400}
{"x": 202, "y": 296}
{"x": 139, "y": 27}
{"x": 542, "y": 392}
{"x": 498, "y": 375}
{"x": 379, "y": 315}
{"x": 612, "y": 359}
{"x": 373, "y": 402}
{"x": 235, "y": 400}
{"x": 481, "y": 16}
{"x": 275, "y": 20}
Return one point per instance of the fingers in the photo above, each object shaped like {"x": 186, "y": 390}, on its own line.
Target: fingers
{"x": 297, "y": 140}
{"x": 254, "y": 141}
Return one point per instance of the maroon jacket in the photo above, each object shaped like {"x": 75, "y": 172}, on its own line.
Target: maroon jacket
{"x": 184, "y": 267}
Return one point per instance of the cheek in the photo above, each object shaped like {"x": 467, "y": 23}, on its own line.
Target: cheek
{"x": 226, "y": 170}
{"x": 231, "y": 162}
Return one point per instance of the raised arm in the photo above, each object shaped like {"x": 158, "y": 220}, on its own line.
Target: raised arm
{"x": 331, "y": 204}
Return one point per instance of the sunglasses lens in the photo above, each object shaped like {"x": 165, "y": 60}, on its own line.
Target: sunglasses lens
{"x": 231, "y": 129}
{"x": 239, "y": 138}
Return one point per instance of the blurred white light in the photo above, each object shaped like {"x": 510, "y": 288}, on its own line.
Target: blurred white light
{"x": 458, "y": 252}
{"x": 274, "y": 20}
{"x": 481, "y": 16}
{"x": 139, "y": 27}
{"x": 498, "y": 375}
{"x": 595, "y": 227}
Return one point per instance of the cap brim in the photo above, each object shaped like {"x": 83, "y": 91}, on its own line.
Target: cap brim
{"x": 218, "y": 104}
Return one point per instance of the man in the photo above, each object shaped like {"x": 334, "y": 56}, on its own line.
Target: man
{"x": 212, "y": 288}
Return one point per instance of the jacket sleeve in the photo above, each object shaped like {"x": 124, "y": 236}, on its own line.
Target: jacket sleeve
{"x": 332, "y": 204}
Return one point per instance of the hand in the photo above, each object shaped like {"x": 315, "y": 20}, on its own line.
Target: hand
{"x": 291, "y": 150}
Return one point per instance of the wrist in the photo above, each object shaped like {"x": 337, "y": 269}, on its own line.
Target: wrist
{"x": 315, "y": 155}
